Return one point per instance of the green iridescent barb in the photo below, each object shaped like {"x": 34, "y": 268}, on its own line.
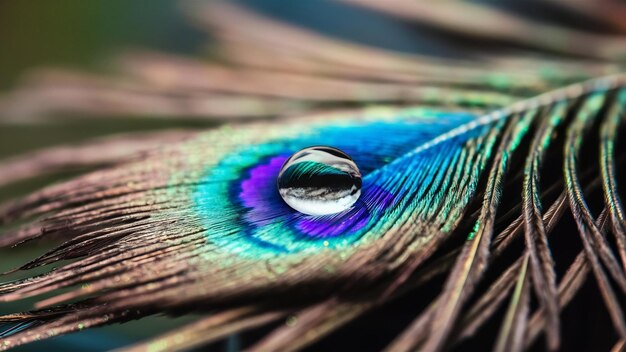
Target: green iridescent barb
{"x": 468, "y": 194}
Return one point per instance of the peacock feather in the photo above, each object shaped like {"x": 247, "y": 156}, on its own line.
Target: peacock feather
{"x": 489, "y": 197}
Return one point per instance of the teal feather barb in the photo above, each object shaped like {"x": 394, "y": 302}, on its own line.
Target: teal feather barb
{"x": 490, "y": 194}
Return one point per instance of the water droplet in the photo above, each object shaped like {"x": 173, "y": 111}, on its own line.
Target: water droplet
{"x": 320, "y": 181}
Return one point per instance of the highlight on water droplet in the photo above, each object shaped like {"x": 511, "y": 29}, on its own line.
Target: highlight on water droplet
{"x": 320, "y": 180}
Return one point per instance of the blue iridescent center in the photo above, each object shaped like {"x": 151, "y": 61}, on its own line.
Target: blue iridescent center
{"x": 242, "y": 211}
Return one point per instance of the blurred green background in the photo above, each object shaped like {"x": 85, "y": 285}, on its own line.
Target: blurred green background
{"x": 84, "y": 35}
